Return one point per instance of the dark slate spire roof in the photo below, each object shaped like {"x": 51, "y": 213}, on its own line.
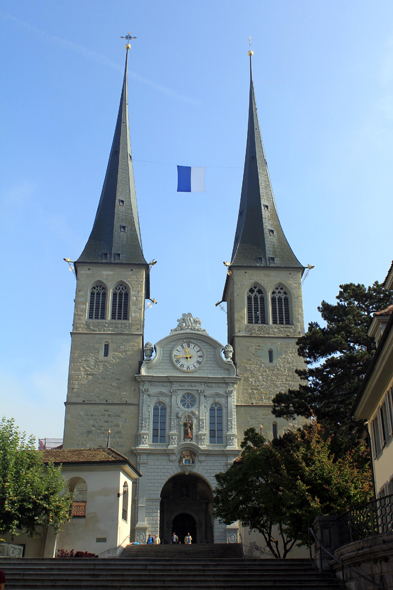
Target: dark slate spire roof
{"x": 116, "y": 226}
{"x": 259, "y": 238}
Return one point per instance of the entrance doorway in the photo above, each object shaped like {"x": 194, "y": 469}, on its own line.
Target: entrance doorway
{"x": 187, "y": 507}
{"x": 183, "y": 524}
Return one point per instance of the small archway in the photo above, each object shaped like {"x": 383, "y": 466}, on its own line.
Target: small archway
{"x": 187, "y": 507}
{"x": 183, "y": 524}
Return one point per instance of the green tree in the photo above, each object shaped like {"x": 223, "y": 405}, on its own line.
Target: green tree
{"x": 33, "y": 494}
{"x": 337, "y": 356}
{"x": 278, "y": 488}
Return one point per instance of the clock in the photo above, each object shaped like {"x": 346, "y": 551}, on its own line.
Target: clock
{"x": 188, "y": 356}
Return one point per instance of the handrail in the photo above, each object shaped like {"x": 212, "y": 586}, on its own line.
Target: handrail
{"x": 112, "y": 548}
{"x": 343, "y": 565}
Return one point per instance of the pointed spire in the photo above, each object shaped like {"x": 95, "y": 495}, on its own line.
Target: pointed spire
{"x": 116, "y": 235}
{"x": 259, "y": 238}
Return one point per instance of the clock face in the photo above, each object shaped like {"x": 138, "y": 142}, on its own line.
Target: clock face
{"x": 188, "y": 356}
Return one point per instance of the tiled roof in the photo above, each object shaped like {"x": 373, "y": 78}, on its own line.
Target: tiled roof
{"x": 387, "y": 311}
{"x": 98, "y": 455}
{"x": 387, "y": 276}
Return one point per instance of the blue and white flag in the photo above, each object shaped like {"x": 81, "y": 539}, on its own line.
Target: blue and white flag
{"x": 190, "y": 179}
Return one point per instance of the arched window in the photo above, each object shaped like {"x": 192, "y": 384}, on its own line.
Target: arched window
{"x": 215, "y": 426}
{"x": 256, "y": 306}
{"x": 280, "y": 306}
{"x": 120, "y": 299}
{"x": 125, "y": 501}
{"x": 159, "y": 423}
{"x": 97, "y": 302}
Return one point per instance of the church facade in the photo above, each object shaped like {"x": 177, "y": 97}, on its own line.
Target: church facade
{"x": 178, "y": 410}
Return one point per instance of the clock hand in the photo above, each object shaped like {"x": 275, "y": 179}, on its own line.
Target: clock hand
{"x": 188, "y": 355}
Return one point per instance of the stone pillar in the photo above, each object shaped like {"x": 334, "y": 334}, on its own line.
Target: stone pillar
{"x": 141, "y": 525}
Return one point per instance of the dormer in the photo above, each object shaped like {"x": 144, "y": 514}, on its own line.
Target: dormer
{"x": 379, "y": 323}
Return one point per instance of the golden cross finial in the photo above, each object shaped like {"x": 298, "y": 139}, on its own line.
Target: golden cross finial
{"x": 250, "y": 51}
{"x": 128, "y": 38}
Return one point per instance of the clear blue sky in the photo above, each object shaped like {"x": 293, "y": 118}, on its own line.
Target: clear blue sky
{"x": 323, "y": 75}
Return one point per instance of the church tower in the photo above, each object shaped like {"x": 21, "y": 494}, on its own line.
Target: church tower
{"x": 107, "y": 335}
{"x": 263, "y": 294}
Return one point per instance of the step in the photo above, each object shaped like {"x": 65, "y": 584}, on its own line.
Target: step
{"x": 156, "y": 571}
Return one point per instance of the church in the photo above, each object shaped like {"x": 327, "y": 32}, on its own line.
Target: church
{"x": 176, "y": 409}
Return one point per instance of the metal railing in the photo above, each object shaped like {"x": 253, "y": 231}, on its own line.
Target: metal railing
{"x": 367, "y": 520}
{"x": 312, "y": 535}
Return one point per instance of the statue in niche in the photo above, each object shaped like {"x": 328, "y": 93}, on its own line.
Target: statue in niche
{"x": 188, "y": 428}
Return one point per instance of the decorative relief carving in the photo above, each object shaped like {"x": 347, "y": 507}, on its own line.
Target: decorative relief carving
{"x": 173, "y": 424}
{"x": 231, "y": 440}
{"x": 186, "y": 468}
{"x": 141, "y": 537}
{"x": 202, "y": 424}
{"x": 188, "y": 322}
{"x": 229, "y": 391}
{"x": 230, "y": 424}
{"x": 145, "y": 423}
{"x": 144, "y": 439}
{"x": 173, "y": 439}
{"x": 232, "y": 536}
{"x": 187, "y": 457}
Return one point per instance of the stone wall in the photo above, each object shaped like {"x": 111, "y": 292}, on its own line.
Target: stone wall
{"x": 102, "y": 391}
{"x": 372, "y": 557}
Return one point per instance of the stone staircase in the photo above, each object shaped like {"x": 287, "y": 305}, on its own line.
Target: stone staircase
{"x": 166, "y": 567}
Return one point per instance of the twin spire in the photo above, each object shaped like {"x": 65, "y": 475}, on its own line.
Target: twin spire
{"x": 259, "y": 238}
{"x": 116, "y": 237}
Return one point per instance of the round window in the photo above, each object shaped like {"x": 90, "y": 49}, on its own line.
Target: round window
{"x": 187, "y": 401}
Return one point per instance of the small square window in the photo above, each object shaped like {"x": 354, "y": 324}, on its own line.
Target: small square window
{"x": 259, "y": 260}
{"x": 271, "y": 232}
{"x": 123, "y": 228}
{"x": 266, "y": 207}
{"x": 272, "y": 260}
{"x": 121, "y": 202}
{"x": 116, "y": 256}
{"x": 105, "y": 256}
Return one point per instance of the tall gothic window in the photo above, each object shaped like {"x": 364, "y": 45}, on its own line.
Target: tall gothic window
{"x": 97, "y": 302}
{"x": 215, "y": 424}
{"x": 280, "y": 306}
{"x": 120, "y": 300}
{"x": 256, "y": 306}
{"x": 159, "y": 422}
